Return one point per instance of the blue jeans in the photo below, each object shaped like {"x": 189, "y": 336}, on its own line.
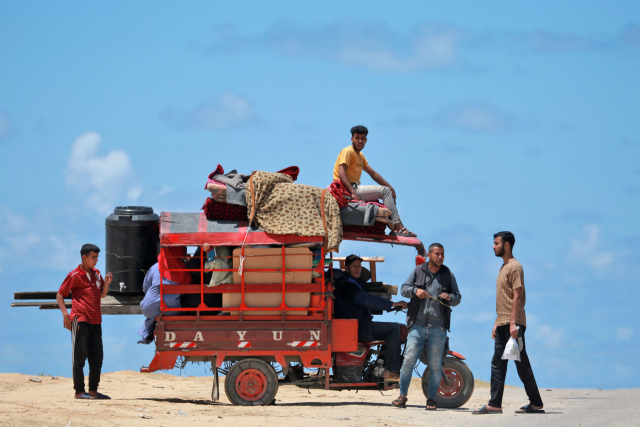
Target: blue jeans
{"x": 418, "y": 338}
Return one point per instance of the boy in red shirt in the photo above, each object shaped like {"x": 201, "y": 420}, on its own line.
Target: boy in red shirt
{"x": 87, "y": 287}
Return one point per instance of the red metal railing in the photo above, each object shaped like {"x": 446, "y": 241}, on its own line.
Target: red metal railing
{"x": 317, "y": 312}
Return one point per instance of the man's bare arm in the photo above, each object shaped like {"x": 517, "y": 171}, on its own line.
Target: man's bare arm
{"x": 379, "y": 179}
{"x": 517, "y": 302}
{"x": 107, "y": 281}
{"x": 66, "y": 321}
{"x": 342, "y": 173}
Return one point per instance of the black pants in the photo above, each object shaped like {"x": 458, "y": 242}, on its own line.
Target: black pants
{"x": 86, "y": 343}
{"x": 390, "y": 333}
{"x": 499, "y": 369}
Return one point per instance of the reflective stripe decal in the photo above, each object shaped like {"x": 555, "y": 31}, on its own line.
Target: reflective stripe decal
{"x": 303, "y": 344}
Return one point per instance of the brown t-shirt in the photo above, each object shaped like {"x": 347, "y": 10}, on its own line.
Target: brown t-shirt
{"x": 511, "y": 277}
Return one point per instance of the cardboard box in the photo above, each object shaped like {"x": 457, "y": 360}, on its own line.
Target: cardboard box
{"x": 271, "y": 258}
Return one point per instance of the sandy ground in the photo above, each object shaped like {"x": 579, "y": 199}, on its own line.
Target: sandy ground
{"x": 185, "y": 401}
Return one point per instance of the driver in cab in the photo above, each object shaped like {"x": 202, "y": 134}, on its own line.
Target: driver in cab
{"x": 352, "y": 302}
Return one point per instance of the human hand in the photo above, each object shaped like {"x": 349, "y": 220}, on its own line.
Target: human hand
{"x": 206, "y": 247}
{"x": 420, "y": 293}
{"x": 446, "y": 296}
{"x": 66, "y": 321}
{"x": 402, "y": 304}
{"x": 513, "y": 330}
{"x": 107, "y": 279}
{"x": 493, "y": 333}
{"x": 354, "y": 195}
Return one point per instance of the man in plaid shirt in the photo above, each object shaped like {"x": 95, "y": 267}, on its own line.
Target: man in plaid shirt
{"x": 87, "y": 287}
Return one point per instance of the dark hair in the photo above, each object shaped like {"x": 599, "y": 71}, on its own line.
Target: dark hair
{"x": 88, "y": 248}
{"x": 359, "y": 129}
{"x": 506, "y": 236}
{"x": 351, "y": 258}
{"x": 435, "y": 245}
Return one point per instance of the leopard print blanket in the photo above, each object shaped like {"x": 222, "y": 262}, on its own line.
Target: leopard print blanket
{"x": 278, "y": 206}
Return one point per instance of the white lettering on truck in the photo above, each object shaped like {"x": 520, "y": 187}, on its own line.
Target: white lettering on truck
{"x": 169, "y": 336}
{"x": 277, "y": 337}
{"x": 198, "y": 336}
{"x": 241, "y": 333}
{"x": 315, "y": 335}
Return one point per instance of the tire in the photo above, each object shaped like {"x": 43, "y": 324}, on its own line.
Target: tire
{"x": 461, "y": 388}
{"x": 251, "y": 382}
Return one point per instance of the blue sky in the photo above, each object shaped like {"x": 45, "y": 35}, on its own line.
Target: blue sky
{"x": 484, "y": 116}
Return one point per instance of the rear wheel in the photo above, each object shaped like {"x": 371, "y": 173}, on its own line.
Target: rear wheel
{"x": 461, "y": 384}
{"x": 251, "y": 382}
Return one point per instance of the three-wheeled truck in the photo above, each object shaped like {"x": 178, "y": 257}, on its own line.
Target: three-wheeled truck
{"x": 275, "y": 324}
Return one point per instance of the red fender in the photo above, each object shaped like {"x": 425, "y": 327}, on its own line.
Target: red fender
{"x": 454, "y": 354}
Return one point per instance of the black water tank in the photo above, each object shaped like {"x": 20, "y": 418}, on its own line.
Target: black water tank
{"x": 132, "y": 247}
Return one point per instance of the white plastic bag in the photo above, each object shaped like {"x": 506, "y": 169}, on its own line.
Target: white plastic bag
{"x": 511, "y": 350}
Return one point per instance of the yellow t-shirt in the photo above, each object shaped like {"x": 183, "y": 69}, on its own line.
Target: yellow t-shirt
{"x": 355, "y": 163}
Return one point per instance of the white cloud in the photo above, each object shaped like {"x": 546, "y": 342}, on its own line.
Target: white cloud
{"x": 221, "y": 112}
{"x": 586, "y": 250}
{"x": 430, "y": 48}
{"x": 165, "y": 190}
{"x": 624, "y": 334}
{"x": 370, "y": 45}
{"x": 24, "y": 241}
{"x": 103, "y": 180}
{"x": 134, "y": 193}
{"x": 549, "y": 336}
{"x": 478, "y": 117}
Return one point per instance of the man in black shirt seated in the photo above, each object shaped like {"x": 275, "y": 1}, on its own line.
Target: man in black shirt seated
{"x": 352, "y": 302}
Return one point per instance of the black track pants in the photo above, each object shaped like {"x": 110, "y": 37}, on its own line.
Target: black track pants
{"x": 86, "y": 343}
{"x": 499, "y": 369}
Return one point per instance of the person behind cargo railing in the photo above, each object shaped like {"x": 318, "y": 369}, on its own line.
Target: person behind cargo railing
{"x": 354, "y": 303}
{"x": 214, "y": 258}
{"x": 171, "y": 258}
{"x": 87, "y": 287}
{"x": 348, "y": 169}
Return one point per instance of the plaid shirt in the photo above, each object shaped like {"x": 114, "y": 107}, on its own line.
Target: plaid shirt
{"x": 85, "y": 294}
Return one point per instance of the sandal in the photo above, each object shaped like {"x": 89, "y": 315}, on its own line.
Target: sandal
{"x": 483, "y": 410}
{"x": 403, "y": 232}
{"x": 528, "y": 409}
{"x": 85, "y": 396}
{"x": 102, "y": 396}
{"x": 431, "y": 405}
{"x": 400, "y": 402}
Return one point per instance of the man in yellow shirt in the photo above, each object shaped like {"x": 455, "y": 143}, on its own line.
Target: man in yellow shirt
{"x": 348, "y": 169}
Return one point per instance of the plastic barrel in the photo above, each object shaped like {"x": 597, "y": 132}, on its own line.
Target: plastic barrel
{"x": 132, "y": 247}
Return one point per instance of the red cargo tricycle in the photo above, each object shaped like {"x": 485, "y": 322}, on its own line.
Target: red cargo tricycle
{"x": 275, "y": 324}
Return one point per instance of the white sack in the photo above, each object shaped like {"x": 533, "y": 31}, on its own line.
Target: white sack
{"x": 511, "y": 350}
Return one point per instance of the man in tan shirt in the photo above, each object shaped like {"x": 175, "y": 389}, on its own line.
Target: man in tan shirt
{"x": 511, "y": 322}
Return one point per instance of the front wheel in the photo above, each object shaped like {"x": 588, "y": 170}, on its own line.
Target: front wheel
{"x": 251, "y": 382}
{"x": 461, "y": 384}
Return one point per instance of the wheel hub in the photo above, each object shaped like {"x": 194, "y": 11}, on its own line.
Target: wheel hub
{"x": 457, "y": 384}
{"x": 251, "y": 384}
